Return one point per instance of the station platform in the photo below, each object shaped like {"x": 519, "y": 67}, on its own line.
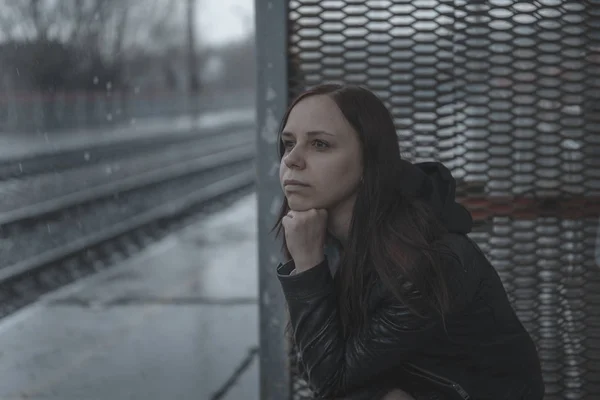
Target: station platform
{"x": 177, "y": 321}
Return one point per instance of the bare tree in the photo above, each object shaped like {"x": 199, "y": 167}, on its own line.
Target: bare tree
{"x": 101, "y": 35}
{"x": 192, "y": 51}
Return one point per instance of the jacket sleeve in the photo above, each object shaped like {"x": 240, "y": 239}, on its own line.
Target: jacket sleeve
{"x": 336, "y": 366}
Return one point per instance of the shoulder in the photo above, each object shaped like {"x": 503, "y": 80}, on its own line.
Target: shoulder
{"x": 460, "y": 248}
{"x": 464, "y": 267}
{"x": 459, "y": 243}
{"x": 459, "y": 263}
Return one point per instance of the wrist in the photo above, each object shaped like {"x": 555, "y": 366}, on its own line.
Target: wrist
{"x": 306, "y": 263}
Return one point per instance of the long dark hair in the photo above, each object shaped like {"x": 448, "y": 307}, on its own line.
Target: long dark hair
{"x": 391, "y": 232}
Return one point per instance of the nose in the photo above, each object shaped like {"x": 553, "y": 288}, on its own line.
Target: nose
{"x": 294, "y": 159}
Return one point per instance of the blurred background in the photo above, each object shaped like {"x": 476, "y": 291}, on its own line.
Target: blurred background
{"x": 108, "y": 111}
{"x": 100, "y": 63}
{"x": 122, "y": 122}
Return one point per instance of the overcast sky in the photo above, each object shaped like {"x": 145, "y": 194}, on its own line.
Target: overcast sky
{"x": 218, "y": 21}
{"x": 221, "y": 21}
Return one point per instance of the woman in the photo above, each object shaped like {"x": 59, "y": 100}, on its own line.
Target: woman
{"x": 412, "y": 308}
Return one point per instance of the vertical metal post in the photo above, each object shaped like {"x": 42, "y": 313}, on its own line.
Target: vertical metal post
{"x": 272, "y": 93}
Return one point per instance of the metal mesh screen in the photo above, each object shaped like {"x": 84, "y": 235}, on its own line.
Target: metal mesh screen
{"x": 506, "y": 94}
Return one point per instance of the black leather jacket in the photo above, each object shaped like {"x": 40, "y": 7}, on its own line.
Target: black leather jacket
{"x": 481, "y": 350}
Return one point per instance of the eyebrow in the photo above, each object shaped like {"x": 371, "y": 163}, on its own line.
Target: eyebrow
{"x": 309, "y": 133}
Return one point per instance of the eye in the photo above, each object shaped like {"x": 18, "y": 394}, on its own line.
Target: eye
{"x": 320, "y": 144}
{"x": 287, "y": 144}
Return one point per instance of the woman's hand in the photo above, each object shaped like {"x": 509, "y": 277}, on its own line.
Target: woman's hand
{"x": 305, "y": 233}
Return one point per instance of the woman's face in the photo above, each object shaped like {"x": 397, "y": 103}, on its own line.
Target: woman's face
{"x": 322, "y": 163}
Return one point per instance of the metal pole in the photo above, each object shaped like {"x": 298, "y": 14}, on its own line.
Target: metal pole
{"x": 272, "y": 94}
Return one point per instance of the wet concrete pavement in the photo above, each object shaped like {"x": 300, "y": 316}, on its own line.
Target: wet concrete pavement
{"x": 178, "y": 321}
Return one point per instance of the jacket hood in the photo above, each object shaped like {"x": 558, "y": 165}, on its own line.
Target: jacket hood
{"x": 433, "y": 183}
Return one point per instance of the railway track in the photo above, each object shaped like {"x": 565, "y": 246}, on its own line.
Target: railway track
{"x": 105, "y": 152}
{"x": 50, "y": 243}
{"x": 35, "y": 196}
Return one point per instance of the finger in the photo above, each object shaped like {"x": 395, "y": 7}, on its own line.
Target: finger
{"x": 287, "y": 220}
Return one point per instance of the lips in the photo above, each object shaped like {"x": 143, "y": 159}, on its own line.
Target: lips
{"x": 293, "y": 182}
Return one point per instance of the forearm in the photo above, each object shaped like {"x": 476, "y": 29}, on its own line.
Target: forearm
{"x": 337, "y": 365}
{"x": 312, "y": 306}
{"x": 313, "y": 311}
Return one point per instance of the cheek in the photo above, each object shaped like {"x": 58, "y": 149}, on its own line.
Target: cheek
{"x": 339, "y": 179}
{"x": 343, "y": 171}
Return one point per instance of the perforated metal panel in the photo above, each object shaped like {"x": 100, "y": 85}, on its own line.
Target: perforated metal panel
{"x": 506, "y": 94}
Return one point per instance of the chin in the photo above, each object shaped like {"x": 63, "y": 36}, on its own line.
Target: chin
{"x": 304, "y": 204}
{"x": 298, "y": 204}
